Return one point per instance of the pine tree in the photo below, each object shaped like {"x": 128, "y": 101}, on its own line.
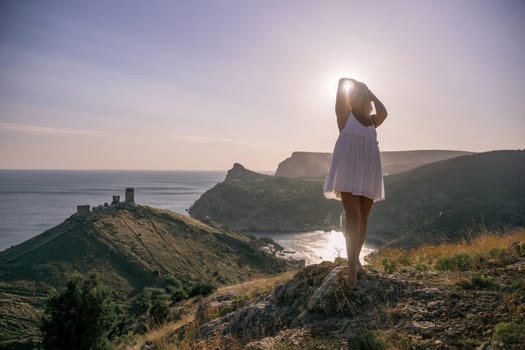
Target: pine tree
{"x": 82, "y": 316}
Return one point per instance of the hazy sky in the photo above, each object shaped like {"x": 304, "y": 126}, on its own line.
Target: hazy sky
{"x": 204, "y": 84}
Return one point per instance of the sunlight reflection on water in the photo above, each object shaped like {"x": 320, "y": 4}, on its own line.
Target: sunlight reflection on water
{"x": 315, "y": 246}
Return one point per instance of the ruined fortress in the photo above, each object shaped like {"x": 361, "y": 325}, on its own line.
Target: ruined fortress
{"x": 84, "y": 209}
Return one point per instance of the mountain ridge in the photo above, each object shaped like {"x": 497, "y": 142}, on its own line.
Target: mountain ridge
{"x": 315, "y": 165}
{"x": 454, "y": 191}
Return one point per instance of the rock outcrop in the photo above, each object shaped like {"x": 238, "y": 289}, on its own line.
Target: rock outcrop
{"x": 424, "y": 310}
{"x": 239, "y": 172}
{"x": 315, "y": 300}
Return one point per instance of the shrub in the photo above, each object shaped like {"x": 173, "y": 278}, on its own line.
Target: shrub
{"x": 483, "y": 282}
{"x": 154, "y": 302}
{"x": 389, "y": 266}
{"x": 173, "y": 281}
{"x": 479, "y": 261}
{"x": 178, "y": 294}
{"x": 83, "y": 316}
{"x": 404, "y": 259}
{"x": 501, "y": 255}
{"x": 457, "y": 262}
{"x": 522, "y": 249}
{"x": 370, "y": 341}
{"x": 203, "y": 289}
{"x": 158, "y": 312}
{"x": 421, "y": 267}
{"x": 509, "y": 333}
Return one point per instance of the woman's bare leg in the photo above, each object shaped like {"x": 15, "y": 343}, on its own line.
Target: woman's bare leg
{"x": 352, "y": 209}
{"x": 365, "y": 205}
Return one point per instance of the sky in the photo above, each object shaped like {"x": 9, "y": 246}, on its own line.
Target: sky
{"x": 201, "y": 85}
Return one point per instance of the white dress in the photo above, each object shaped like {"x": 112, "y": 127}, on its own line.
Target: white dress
{"x": 355, "y": 166}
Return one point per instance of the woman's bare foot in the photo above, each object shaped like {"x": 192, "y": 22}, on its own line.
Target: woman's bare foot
{"x": 360, "y": 269}
{"x": 350, "y": 284}
{"x": 351, "y": 280}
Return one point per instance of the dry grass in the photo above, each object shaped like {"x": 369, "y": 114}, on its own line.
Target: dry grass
{"x": 488, "y": 246}
{"x": 160, "y": 337}
{"x": 256, "y": 286}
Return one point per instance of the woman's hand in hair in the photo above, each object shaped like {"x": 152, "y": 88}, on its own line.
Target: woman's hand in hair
{"x": 381, "y": 113}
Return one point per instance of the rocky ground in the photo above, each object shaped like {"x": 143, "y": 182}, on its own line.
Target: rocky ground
{"x": 424, "y": 310}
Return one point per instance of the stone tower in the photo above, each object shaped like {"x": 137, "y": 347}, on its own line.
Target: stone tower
{"x": 130, "y": 195}
{"x": 83, "y": 210}
{"x": 116, "y": 200}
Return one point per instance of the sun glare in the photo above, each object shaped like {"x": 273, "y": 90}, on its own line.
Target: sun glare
{"x": 348, "y": 85}
{"x": 332, "y": 79}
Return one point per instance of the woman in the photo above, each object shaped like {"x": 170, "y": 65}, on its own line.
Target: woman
{"x": 355, "y": 176}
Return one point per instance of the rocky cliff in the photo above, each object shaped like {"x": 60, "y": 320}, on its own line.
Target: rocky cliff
{"x": 314, "y": 165}
{"x": 239, "y": 172}
{"x": 249, "y": 202}
{"x": 305, "y": 165}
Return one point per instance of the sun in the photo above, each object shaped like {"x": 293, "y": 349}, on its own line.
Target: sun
{"x": 331, "y": 79}
{"x": 348, "y": 85}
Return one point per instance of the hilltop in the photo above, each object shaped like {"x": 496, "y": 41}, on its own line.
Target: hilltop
{"x": 131, "y": 247}
{"x": 314, "y": 165}
{"x": 444, "y": 200}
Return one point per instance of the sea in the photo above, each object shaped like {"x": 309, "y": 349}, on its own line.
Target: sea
{"x": 33, "y": 201}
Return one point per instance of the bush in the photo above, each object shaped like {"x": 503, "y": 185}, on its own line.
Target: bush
{"x": 482, "y": 282}
{"x": 82, "y": 316}
{"x": 501, "y": 255}
{"x": 420, "y": 267}
{"x": 389, "y": 266}
{"x": 154, "y": 302}
{"x": 158, "y": 312}
{"x": 370, "y": 341}
{"x": 178, "y": 294}
{"x": 458, "y": 262}
{"x": 173, "y": 281}
{"x": 509, "y": 333}
{"x": 203, "y": 289}
{"x": 522, "y": 249}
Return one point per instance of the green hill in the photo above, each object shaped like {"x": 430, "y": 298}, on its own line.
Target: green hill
{"x": 439, "y": 201}
{"x": 452, "y": 199}
{"x": 251, "y": 203}
{"x": 130, "y": 247}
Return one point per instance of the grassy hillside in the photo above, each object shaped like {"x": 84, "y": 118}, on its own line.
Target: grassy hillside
{"x": 465, "y": 295}
{"x": 394, "y": 162}
{"x": 130, "y": 247}
{"x": 271, "y": 203}
{"x": 444, "y": 200}
{"x": 452, "y": 199}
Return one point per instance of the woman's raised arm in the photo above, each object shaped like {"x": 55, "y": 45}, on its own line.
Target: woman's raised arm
{"x": 381, "y": 113}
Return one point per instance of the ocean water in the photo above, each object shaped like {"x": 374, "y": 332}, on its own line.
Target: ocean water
{"x": 315, "y": 246}
{"x": 32, "y": 201}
